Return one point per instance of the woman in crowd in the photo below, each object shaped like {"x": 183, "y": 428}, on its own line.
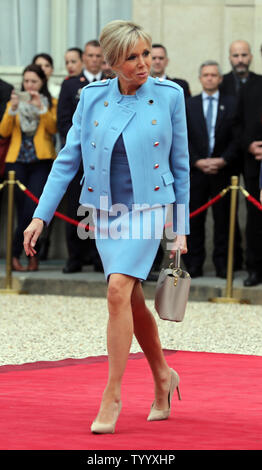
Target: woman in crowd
{"x": 30, "y": 121}
{"x": 47, "y": 64}
{"x": 73, "y": 61}
{"x": 130, "y": 133}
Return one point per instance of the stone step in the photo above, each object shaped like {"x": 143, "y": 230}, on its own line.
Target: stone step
{"x": 51, "y": 280}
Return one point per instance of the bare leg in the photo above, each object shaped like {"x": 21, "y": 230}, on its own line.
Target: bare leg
{"x": 119, "y": 338}
{"x": 146, "y": 332}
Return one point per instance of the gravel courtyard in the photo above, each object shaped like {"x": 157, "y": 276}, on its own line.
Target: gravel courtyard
{"x": 50, "y": 328}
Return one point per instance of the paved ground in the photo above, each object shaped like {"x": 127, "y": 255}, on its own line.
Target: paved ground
{"x": 50, "y": 280}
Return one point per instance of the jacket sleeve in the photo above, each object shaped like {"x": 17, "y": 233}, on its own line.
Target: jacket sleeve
{"x": 230, "y": 153}
{"x": 63, "y": 170}
{"x": 50, "y": 117}
{"x": 193, "y": 152}
{"x": 186, "y": 88}
{"x": 179, "y": 163}
{"x": 8, "y": 122}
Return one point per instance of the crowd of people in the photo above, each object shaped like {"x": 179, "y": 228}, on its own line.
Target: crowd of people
{"x": 224, "y": 124}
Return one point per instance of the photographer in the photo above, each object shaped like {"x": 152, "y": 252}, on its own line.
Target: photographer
{"x": 30, "y": 121}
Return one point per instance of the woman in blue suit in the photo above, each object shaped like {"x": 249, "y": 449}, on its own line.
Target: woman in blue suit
{"x": 130, "y": 133}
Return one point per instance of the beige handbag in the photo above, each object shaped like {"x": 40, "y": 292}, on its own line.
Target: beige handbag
{"x": 172, "y": 291}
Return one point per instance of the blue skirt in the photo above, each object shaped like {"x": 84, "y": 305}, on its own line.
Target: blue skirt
{"x": 128, "y": 238}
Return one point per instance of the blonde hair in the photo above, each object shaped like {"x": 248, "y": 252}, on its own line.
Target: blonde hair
{"x": 118, "y": 38}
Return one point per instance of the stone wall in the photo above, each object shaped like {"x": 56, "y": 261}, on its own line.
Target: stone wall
{"x": 197, "y": 30}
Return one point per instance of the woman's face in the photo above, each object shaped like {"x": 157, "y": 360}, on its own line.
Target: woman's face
{"x": 45, "y": 66}
{"x": 135, "y": 69}
{"x": 32, "y": 82}
{"x": 73, "y": 63}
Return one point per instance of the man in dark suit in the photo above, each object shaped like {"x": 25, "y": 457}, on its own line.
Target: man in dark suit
{"x": 67, "y": 103}
{"x": 240, "y": 58}
{"x": 249, "y": 120}
{"x": 160, "y": 62}
{"x": 212, "y": 148}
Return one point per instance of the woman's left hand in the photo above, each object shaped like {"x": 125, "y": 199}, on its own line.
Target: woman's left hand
{"x": 35, "y": 99}
{"x": 180, "y": 243}
{"x": 31, "y": 235}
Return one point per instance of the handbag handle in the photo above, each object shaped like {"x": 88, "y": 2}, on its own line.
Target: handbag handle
{"x": 177, "y": 261}
{"x": 177, "y": 258}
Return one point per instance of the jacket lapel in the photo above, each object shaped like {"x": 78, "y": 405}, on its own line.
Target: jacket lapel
{"x": 200, "y": 116}
{"x": 119, "y": 119}
{"x": 220, "y": 111}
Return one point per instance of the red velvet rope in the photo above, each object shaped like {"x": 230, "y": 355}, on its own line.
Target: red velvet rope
{"x": 58, "y": 214}
{"x": 205, "y": 206}
{"x": 254, "y": 201}
{"x": 192, "y": 214}
{"x": 75, "y": 222}
{"x": 201, "y": 209}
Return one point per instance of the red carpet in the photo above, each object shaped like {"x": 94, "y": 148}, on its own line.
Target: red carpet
{"x": 50, "y": 405}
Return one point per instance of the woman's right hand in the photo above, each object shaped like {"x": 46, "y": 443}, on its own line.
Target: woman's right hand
{"x": 31, "y": 234}
{"x": 35, "y": 99}
{"x": 14, "y": 101}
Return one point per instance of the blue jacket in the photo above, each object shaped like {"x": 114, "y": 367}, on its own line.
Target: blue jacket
{"x": 155, "y": 137}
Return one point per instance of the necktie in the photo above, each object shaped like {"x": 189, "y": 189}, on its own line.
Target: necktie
{"x": 94, "y": 79}
{"x": 209, "y": 116}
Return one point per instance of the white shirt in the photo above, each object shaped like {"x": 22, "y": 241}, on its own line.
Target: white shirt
{"x": 205, "y": 102}
{"x": 54, "y": 89}
{"x": 90, "y": 76}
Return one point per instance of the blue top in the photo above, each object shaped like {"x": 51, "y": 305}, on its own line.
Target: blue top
{"x": 120, "y": 176}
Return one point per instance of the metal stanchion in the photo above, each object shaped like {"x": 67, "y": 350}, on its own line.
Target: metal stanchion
{"x": 10, "y": 218}
{"x": 230, "y": 258}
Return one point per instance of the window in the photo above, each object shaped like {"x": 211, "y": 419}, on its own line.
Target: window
{"x": 25, "y": 28}
{"x": 86, "y": 18}
{"x": 28, "y": 27}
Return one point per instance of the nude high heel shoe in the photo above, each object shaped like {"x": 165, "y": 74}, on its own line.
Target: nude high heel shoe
{"x": 158, "y": 415}
{"x": 106, "y": 428}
